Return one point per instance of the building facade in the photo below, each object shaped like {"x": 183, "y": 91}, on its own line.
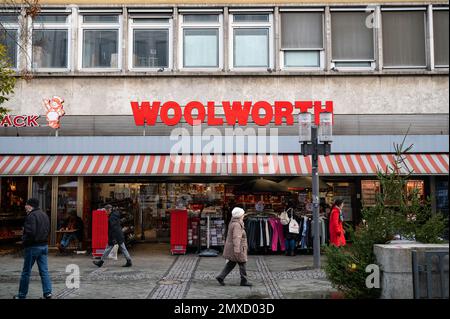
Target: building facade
{"x": 384, "y": 65}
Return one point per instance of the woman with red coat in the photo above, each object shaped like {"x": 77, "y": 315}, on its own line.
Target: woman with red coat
{"x": 337, "y": 237}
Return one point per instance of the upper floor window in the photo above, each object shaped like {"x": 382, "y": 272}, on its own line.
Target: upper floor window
{"x": 201, "y": 40}
{"x": 50, "y": 42}
{"x": 9, "y": 36}
{"x": 302, "y": 39}
{"x": 404, "y": 38}
{"x": 151, "y": 46}
{"x": 251, "y": 44}
{"x": 352, "y": 39}
{"x": 440, "y": 35}
{"x": 100, "y": 41}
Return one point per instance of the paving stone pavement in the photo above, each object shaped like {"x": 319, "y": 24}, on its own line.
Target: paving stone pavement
{"x": 158, "y": 275}
{"x": 269, "y": 281}
{"x": 175, "y": 284}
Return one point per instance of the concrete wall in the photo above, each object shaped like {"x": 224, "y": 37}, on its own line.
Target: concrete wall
{"x": 111, "y": 95}
{"x": 395, "y": 261}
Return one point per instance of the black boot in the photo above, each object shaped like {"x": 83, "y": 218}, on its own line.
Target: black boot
{"x": 98, "y": 263}
{"x": 245, "y": 283}
{"x": 220, "y": 280}
{"x": 128, "y": 264}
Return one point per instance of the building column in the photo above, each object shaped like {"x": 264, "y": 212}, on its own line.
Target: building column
{"x": 54, "y": 211}
{"x": 30, "y": 186}
{"x": 277, "y": 39}
{"x": 430, "y": 38}
{"x": 80, "y": 195}
{"x": 175, "y": 42}
{"x": 378, "y": 39}
{"x": 225, "y": 49}
{"x": 327, "y": 40}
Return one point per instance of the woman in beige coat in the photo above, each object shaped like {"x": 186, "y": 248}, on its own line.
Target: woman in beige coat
{"x": 235, "y": 249}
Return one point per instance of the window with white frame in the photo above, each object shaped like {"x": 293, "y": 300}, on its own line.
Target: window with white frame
{"x": 251, "y": 40}
{"x": 100, "y": 41}
{"x": 50, "y": 41}
{"x": 302, "y": 39}
{"x": 151, "y": 42}
{"x": 440, "y": 35}
{"x": 352, "y": 38}
{"x": 404, "y": 38}
{"x": 9, "y": 36}
{"x": 201, "y": 40}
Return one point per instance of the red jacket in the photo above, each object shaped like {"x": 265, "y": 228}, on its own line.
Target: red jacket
{"x": 336, "y": 228}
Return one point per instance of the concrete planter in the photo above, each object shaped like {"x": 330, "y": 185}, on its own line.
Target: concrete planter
{"x": 395, "y": 261}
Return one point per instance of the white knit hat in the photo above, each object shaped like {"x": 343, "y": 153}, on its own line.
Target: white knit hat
{"x": 237, "y": 212}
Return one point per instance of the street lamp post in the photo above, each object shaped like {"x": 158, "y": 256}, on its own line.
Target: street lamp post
{"x": 310, "y": 137}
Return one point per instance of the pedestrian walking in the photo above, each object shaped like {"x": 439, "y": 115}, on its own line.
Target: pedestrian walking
{"x": 115, "y": 236}
{"x": 35, "y": 240}
{"x": 337, "y": 232}
{"x": 235, "y": 250}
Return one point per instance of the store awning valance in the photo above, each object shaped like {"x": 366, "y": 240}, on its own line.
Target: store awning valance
{"x": 190, "y": 165}
{"x": 346, "y": 164}
{"x": 134, "y": 165}
{"x": 22, "y": 165}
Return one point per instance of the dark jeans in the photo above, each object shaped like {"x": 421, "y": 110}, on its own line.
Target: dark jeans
{"x": 290, "y": 245}
{"x": 67, "y": 238}
{"x": 33, "y": 254}
{"x": 230, "y": 266}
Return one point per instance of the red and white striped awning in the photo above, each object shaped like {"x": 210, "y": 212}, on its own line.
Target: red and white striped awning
{"x": 189, "y": 165}
{"x": 22, "y": 165}
{"x": 134, "y": 165}
{"x": 348, "y": 164}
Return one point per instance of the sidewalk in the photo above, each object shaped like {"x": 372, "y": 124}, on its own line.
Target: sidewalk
{"x": 158, "y": 275}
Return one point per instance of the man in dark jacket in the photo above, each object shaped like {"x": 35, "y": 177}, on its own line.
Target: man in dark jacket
{"x": 115, "y": 236}
{"x": 35, "y": 240}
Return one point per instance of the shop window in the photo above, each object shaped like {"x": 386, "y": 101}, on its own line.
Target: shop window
{"x": 100, "y": 41}
{"x": 42, "y": 190}
{"x": 9, "y": 37}
{"x": 415, "y": 187}
{"x": 345, "y": 192}
{"x": 352, "y": 40}
{"x": 369, "y": 191}
{"x": 404, "y": 39}
{"x": 442, "y": 197}
{"x": 13, "y": 195}
{"x": 151, "y": 47}
{"x": 302, "y": 39}
{"x": 67, "y": 198}
{"x": 251, "y": 41}
{"x": 440, "y": 34}
{"x": 50, "y": 42}
{"x": 201, "y": 41}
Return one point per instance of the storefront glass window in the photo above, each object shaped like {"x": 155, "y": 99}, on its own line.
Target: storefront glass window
{"x": 415, "y": 186}
{"x": 145, "y": 207}
{"x": 42, "y": 190}
{"x": 14, "y": 193}
{"x": 442, "y": 197}
{"x": 369, "y": 191}
{"x": 67, "y": 198}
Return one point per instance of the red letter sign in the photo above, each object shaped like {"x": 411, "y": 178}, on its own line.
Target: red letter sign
{"x": 145, "y": 113}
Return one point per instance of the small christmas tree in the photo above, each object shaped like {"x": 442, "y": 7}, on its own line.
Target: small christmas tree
{"x": 398, "y": 214}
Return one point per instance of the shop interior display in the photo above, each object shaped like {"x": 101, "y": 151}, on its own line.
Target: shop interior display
{"x": 12, "y": 208}
{"x": 369, "y": 191}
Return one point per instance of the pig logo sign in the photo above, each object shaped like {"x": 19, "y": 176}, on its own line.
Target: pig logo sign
{"x": 55, "y": 111}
